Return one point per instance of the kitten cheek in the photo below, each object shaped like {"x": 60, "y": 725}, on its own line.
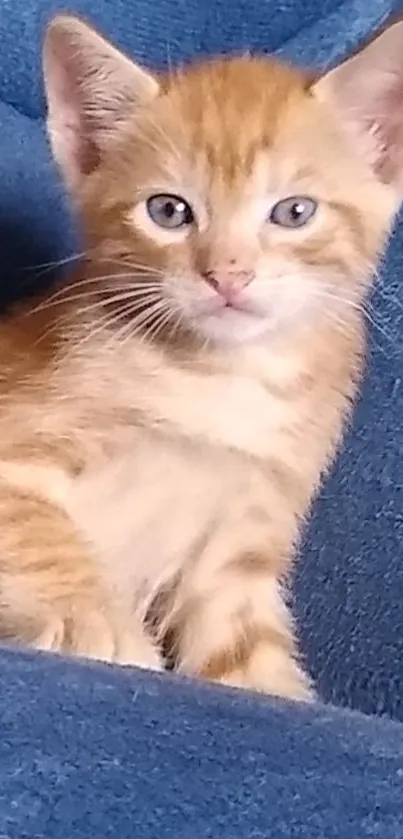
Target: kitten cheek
{"x": 139, "y": 220}
{"x": 284, "y": 300}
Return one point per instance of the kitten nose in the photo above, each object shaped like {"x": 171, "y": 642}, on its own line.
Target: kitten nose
{"x": 228, "y": 282}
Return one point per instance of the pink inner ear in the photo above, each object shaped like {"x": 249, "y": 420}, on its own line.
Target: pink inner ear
{"x": 367, "y": 93}
{"x": 372, "y": 106}
{"x": 91, "y": 88}
{"x": 82, "y": 151}
{"x": 390, "y": 127}
{"x": 75, "y": 150}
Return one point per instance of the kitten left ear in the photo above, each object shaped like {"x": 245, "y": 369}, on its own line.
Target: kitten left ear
{"x": 92, "y": 89}
{"x": 366, "y": 92}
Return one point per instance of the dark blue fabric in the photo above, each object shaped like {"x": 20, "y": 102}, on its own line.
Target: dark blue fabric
{"x": 176, "y": 30}
{"x": 349, "y": 582}
{"x": 349, "y": 587}
{"x": 93, "y": 752}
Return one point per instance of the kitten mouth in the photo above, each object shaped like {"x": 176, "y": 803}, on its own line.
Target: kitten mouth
{"x": 229, "y": 322}
{"x": 221, "y": 307}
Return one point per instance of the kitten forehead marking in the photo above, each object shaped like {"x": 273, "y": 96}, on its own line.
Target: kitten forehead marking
{"x": 220, "y": 127}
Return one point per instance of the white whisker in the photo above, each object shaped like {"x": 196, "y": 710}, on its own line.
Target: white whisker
{"x": 63, "y": 294}
{"x": 58, "y": 262}
{"x": 137, "y": 326}
{"x": 139, "y": 296}
{"x": 362, "y": 307}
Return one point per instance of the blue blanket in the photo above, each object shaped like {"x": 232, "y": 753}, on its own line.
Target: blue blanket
{"x": 87, "y": 752}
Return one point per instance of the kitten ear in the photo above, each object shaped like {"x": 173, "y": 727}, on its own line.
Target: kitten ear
{"x": 367, "y": 93}
{"x": 91, "y": 89}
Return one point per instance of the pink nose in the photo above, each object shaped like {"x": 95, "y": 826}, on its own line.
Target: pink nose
{"x": 228, "y": 282}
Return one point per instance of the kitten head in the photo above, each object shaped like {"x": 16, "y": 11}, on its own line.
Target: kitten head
{"x": 238, "y": 198}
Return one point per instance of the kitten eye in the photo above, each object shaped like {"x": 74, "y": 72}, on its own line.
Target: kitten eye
{"x": 170, "y": 211}
{"x": 293, "y": 212}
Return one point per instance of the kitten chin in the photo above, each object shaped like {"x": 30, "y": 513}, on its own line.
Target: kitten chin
{"x": 226, "y": 326}
{"x": 167, "y": 414}
{"x": 230, "y": 325}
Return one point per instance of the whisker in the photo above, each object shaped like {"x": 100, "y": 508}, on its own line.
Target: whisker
{"x": 155, "y": 331}
{"x": 50, "y": 268}
{"x": 58, "y": 262}
{"x": 137, "y": 266}
{"x": 125, "y": 291}
{"x": 109, "y": 321}
{"x": 137, "y": 296}
{"x": 132, "y": 299}
{"x": 63, "y": 293}
{"x": 176, "y": 324}
{"x": 159, "y": 325}
{"x": 136, "y": 325}
{"x": 362, "y": 307}
{"x": 142, "y": 326}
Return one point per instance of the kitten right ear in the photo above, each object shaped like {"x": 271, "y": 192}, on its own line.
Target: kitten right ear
{"x": 92, "y": 89}
{"x": 366, "y": 94}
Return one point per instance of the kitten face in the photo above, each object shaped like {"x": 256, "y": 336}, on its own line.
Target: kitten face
{"x": 233, "y": 191}
{"x": 226, "y": 269}
{"x": 243, "y": 203}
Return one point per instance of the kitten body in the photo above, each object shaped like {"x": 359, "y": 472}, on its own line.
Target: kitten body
{"x": 159, "y": 449}
{"x": 186, "y": 482}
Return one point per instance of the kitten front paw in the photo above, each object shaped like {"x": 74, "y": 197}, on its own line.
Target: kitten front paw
{"x": 136, "y": 650}
{"x": 271, "y": 671}
{"x": 94, "y": 634}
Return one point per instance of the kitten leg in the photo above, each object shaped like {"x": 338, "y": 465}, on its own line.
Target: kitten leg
{"x": 232, "y": 625}
{"x": 270, "y": 669}
{"x": 51, "y": 597}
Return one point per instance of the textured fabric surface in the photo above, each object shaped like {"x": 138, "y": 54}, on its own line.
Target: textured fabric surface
{"x": 176, "y": 30}
{"x": 349, "y": 582}
{"x": 92, "y": 752}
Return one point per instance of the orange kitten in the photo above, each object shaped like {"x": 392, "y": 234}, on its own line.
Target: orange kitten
{"x": 166, "y": 416}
